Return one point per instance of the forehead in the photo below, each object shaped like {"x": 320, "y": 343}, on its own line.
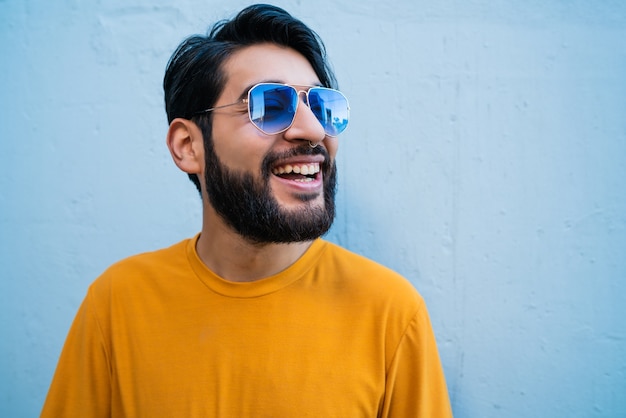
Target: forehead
{"x": 267, "y": 62}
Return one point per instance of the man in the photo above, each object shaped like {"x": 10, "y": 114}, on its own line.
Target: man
{"x": 256, "y": 316}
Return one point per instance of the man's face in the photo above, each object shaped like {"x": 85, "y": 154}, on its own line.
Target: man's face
{"x": 250, "y": 177}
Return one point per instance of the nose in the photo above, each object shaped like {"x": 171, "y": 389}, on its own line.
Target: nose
{"x": 305, "y": 126}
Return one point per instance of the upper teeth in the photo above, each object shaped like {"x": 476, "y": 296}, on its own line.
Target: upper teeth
{"x": 303, "y": 169}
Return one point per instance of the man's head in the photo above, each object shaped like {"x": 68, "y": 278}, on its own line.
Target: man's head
{"x": 251, "y": 178}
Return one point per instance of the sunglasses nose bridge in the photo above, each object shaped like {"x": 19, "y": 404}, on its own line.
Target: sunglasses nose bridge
{"x": 304, "y": 94}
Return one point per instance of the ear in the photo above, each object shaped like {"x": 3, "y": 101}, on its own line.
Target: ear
{"x": 186, "y": 145}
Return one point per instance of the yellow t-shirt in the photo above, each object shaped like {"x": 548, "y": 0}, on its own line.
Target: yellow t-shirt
{"x": 333, "y": 335}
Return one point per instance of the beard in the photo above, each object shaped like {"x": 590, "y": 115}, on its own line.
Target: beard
{"x": 248, "y": 206}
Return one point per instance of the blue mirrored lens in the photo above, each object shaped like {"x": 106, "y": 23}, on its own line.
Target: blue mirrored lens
{"x": 272, "y": 107}
{"x": 331, "y": 108}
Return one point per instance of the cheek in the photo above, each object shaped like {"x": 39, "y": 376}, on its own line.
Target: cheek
{"x": 240, "y": 148}
{"x": 331, "y": 145}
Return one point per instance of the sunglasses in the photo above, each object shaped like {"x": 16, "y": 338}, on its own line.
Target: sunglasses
{"x": 272, "y": 107}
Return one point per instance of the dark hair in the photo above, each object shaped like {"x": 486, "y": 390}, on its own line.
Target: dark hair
{"x": 194, "y": 76}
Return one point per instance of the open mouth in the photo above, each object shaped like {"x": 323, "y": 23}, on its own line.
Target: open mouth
{"x": 304, "y": 173}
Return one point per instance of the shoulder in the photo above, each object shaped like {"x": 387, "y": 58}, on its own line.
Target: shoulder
{"x": 149, "y": 266}
{"x": 381, "y": 297}
{"x": 364, "y": 275}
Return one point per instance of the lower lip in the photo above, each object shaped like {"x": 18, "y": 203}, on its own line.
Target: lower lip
{"x": 311, "y": 185}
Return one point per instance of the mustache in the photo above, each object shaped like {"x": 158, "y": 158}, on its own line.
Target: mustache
{"x": 303, "y": 150}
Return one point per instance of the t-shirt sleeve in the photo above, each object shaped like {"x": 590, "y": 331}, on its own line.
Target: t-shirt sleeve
{"x": 415, "y": 385}
{"x": 81, "y": 384}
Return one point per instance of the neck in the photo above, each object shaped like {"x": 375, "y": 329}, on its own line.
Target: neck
{"x": 234, "y": 258}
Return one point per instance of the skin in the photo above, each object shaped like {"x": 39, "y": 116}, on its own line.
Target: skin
{"x": 242, "y": 147}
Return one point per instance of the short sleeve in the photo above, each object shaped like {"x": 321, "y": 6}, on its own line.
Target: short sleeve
{"x": 81, "y": 386}
{"x": 415, "y": 383}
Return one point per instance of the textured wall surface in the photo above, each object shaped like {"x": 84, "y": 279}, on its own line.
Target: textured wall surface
{"x": 485, "y": 161}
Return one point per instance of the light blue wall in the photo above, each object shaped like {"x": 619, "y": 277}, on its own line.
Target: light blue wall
{"x": 485, "y": 161}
